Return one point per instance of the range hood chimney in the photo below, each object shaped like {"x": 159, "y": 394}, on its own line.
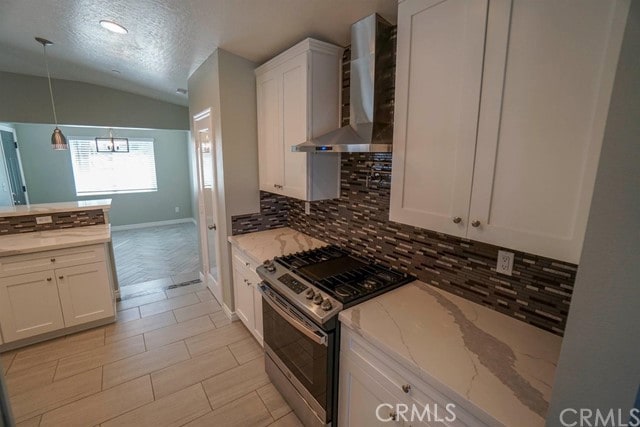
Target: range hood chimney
{"x": 371, "y": 92}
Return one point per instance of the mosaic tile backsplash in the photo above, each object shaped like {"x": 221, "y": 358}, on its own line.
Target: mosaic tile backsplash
{"x": 27, "y": 223}
{"x": 538, "y": 292}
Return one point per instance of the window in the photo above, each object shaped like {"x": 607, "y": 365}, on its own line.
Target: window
{"x": 107, "y": 173}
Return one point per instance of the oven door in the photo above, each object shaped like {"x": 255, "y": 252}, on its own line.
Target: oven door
{"x": 299, "y": 346}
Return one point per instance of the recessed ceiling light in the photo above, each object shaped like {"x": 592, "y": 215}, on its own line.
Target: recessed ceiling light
{"x": 181, "y": 91}
{"x": 113, "y": 26}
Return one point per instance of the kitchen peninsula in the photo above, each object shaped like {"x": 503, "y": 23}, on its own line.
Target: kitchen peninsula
{"x": 56, "y": 270}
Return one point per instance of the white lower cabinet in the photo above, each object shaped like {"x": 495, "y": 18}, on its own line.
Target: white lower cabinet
{"x": 248, "y": 299}
{"x": 377, "y": 390}
{"x": 29, "y": 305}
{"x": 66, "y": 288}
{"x": 83, "y": 294}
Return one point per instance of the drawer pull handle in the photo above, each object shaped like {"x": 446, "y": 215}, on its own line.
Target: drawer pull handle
{"x": 53, "y": 260}
{"x": 49, "y": 279}
{"x": 406, "y": 388}
{"x": 60, "y": 277}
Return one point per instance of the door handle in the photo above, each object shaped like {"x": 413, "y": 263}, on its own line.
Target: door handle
{"x": 212, "y": 227}
{"x": 60, "y": 277}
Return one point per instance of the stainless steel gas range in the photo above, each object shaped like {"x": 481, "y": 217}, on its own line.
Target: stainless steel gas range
{"x": 303, "y": 294}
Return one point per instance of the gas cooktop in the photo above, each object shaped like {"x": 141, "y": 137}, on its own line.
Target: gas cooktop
{"x": 340, "y": 274}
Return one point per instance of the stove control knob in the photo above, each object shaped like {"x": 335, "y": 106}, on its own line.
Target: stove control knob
{"x": 310, "y": 294}
{"x": 326, "y": 305}
{"x": 269, "y": 266}
{"x": 317, "y": 300}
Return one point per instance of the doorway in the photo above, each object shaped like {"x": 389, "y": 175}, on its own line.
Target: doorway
{"x": 12, "y": 183}
{"x": 207, "y": 200}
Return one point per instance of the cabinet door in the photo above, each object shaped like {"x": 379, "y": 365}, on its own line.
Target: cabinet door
{"x": 548, "y": 76}
{"x": 243, "y": 295}
{"x": 361, "y": 398}
{"x": 257, "y": 310}
{"x": 294, "y": 125}
{"x": 85, "y": 293}
{"x": 270, "y": 148}
{"x": 438, "y": 78}
{"x": 29, "y": 305}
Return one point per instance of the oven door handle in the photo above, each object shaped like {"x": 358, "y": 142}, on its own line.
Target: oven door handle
{"x": 316, "y": 335}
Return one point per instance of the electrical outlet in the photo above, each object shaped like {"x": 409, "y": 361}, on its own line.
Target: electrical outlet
{"x": 177, "y": 209}
{"x": 505, "y": 263}
{"x": 44, "y": 219}
{"x": 307, "y": 208}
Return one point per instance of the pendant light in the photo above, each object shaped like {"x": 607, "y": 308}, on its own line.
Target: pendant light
{"x": 58, "y": 140}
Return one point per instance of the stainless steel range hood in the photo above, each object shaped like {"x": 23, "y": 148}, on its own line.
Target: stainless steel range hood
{"x": 370, "y": 93}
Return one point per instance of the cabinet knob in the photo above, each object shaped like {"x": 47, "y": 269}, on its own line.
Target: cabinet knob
{"x": 393, "y": 415}
{"x": 475, "y": 223}
{"x": 456, "y": 220}
{"x": 49, "y": 279}
{"x": 53, "y": 260}
{"x": 247, "y": 264}
{"x": 406, "y": 388}
{"x": 60, "y": 277}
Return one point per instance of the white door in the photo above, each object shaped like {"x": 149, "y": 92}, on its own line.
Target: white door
{"x": 270, "y": 149}
{"x": 207, "y": 200}
{"x": 548, "y": 74}
{"x": 29, "y": 305}
{"x": 294, "y": 125}
{"x": 361, "y": 398}
{"x": 85, "y": 293}
{"x": 438, "y": 78}
{"x": 243, "y": 297}
{"x": 257, "y": 312}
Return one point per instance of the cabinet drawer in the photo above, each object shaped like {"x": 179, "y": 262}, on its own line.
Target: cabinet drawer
{"x": 246, "y": 265}
{"x": 46, "y": 260}
{"x": 401, "y": 381}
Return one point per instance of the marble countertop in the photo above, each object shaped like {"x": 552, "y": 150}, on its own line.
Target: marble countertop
{"x": 45, "y": 208}
{"x": 15, "y": 244}
{"x": 483, "y": 359}
{"x": 263, "y": 245}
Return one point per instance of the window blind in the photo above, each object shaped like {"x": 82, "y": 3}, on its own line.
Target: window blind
{"x": 108, "y": 173}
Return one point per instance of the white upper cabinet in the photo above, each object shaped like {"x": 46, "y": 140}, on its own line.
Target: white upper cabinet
{"x": 298, "y": 99}
{"x": 438, "y": 77}
{"x": 519, "y": 170}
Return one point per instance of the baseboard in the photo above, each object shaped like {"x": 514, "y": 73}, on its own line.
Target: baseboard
{"x": 230, "y": 314}
{"x": 150, "y": 224}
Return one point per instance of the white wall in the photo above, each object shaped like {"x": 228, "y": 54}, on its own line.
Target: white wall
{"x": 225, "y": 83}
{"x": 599, "y": 363}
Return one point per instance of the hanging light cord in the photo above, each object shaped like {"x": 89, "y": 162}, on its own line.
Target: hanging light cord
{"x": 53, "y": 105}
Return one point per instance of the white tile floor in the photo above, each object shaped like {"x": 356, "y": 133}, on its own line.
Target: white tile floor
{"x": 172, "y": 359}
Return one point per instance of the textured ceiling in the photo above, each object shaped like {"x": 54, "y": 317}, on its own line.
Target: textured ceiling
{"x": 167, "y": 39}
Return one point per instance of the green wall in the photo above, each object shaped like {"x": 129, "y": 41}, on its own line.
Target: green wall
{"x": 49, "y": 174}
